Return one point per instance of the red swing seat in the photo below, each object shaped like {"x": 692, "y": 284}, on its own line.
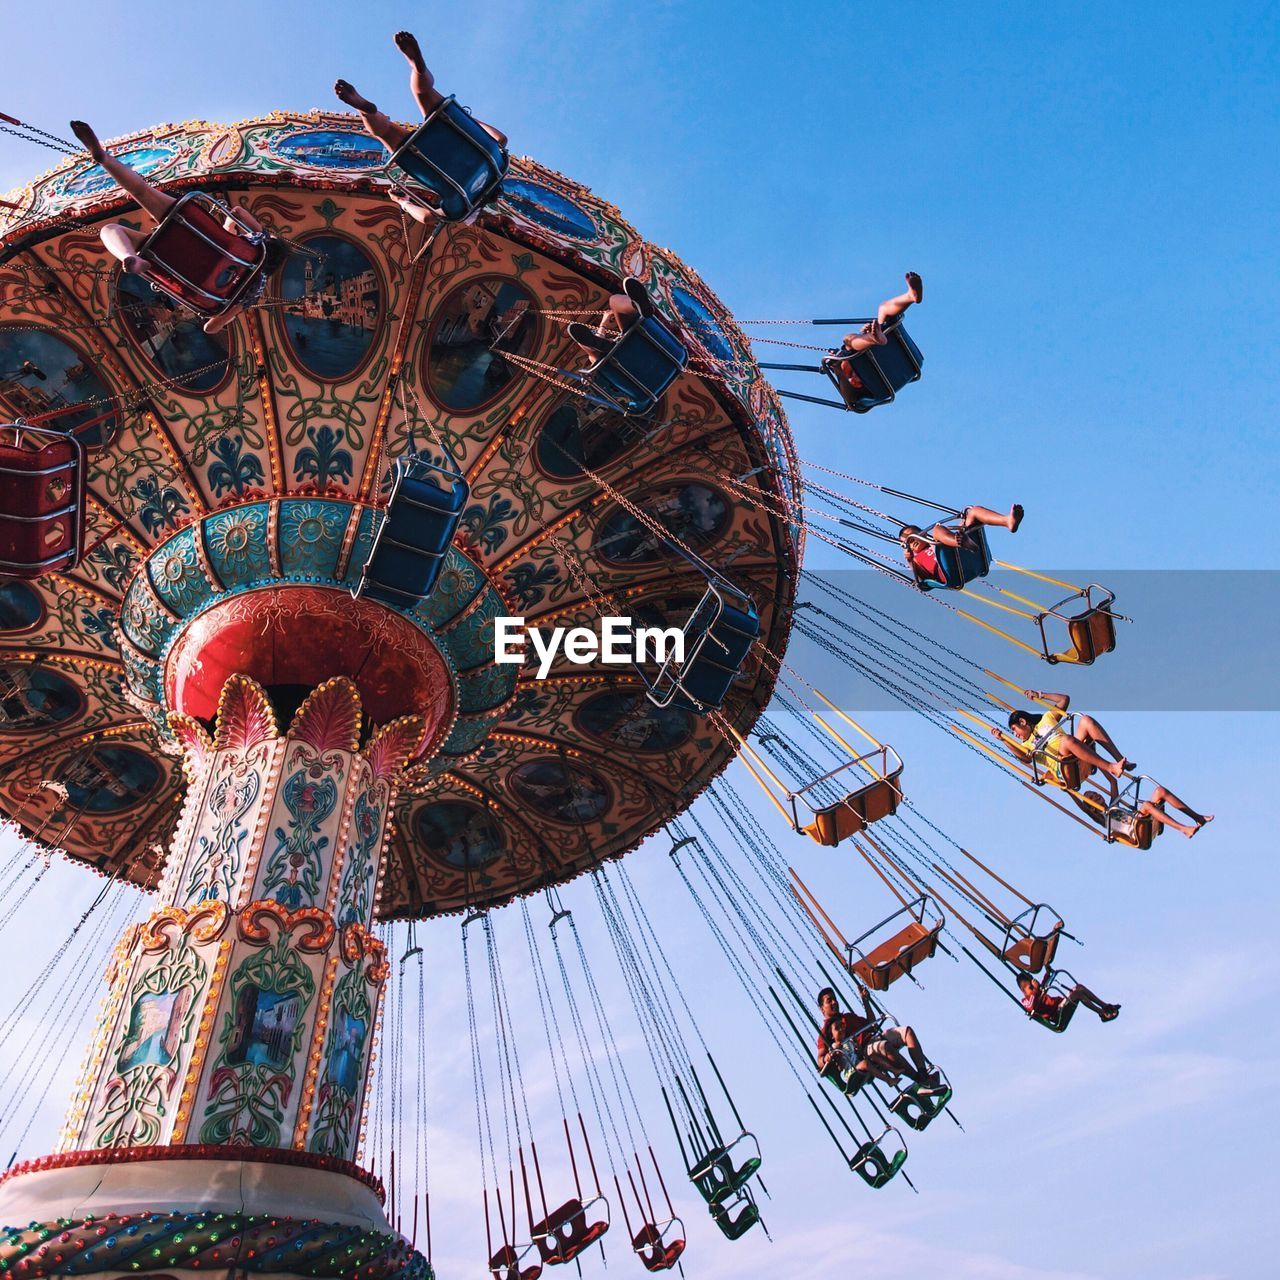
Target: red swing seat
{"x": 197, "y": 261}
{"x": 655, "y": 1251}
{"x": 564, "y": 1233}
{"x": 508, "y": 1264}
{"x": 42, "y": 496}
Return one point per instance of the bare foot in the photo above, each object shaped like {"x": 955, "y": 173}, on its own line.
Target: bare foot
{"x": 915, "y": 286}
{"x": 347, "y": 93}
{"x": 90, "y": 139}
{"x": 1205, "y": 819}
{"x": 407, "y": 43}
{"x": 875, "y": 331}
{"x": 135, "y": 265}
{"x": 1015, "y": 517}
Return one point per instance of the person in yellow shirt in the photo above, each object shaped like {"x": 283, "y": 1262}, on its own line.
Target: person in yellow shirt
{"x": 1042, "y": 736}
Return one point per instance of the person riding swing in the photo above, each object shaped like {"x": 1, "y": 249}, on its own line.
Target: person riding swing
{"x": 456, "y": 171}
{"x": 215, "y": 259}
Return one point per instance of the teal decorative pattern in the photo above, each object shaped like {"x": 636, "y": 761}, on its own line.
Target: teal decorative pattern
{"x": 178, "y": 576}
{"x": 236, "y": 544}
{"x": 311, "y": 536}
{"x": 460, "y": 582}
{"x": 487, "y": 688}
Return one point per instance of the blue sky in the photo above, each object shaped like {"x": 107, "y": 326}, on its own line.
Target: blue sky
{"x": 1089, "y": 191}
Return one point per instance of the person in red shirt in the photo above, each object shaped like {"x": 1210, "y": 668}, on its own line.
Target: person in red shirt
{"x": 1046, "y": 1007}
{"x": 853, "y": 1042}
{"x": 920, "y": 548}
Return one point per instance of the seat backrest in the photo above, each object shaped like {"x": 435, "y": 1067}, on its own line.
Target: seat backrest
{"x": 42, "y": 496}
{"x": 640, "y": 367}
{"x": 714, "y": 654}
{"x": 967, "y": 562}
{"x": 452, "y": 155}
{"x": 196, "y": 260}
{"x": 874, "y": 1166}
{"x": 1093, "y": 633}
{"x": 883, "y": 371}
{"x": 898, "y": 955}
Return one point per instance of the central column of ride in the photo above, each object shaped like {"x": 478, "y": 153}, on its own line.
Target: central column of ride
{"x": 233, "y": 1058}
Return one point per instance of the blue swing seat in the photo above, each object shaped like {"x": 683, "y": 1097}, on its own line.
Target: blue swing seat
{"x": 882, "y": 371}
{"x": 644, "y": 362}
{"x": 451, "y": 155}
{"x": 963, "y": 564}
{"x": 408, "y": 551}
{"x": 718, "y": 637}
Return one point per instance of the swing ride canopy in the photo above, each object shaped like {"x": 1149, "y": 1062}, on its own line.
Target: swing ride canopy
{"x": 235, "y": 484}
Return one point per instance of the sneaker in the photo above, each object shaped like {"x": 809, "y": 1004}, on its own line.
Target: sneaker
{"x": 585, "y": 336}
{"x": 639, "y": 295}
{"x": 1110, "y": 1013}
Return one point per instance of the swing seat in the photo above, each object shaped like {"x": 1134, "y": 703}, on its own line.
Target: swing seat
{"x": 734, "y": 1228}
{"x": 1128, "y": 827}
{"x": 197, "y": 261}
{"x": 716, "y": 1175}
{"x": 873, "y": 1165}
{"x": 1057, "y": 983}
{"x": 919, "y": 1112}
{"x": 850, "y": 1082}
{"x": 659, "y": 1246}
{"x": 42, "y": 495}
{"x": 1090, "y": 633}
{"x": 882, "y": 371}
{"x": 899, "y": 953}
{"x": 876, "y": 799}
{"x": 455, "y": 159}
{"x": 632, "y": 377}
{"x": 565, "y": 1232}
{"x": 1123, "y": 822}
{"x": 717, "y": 638}
{"x": 408, "y": 551}
{"x": 963, "y": 564}
{"x": 509, "y": 1264}
{"x": 1024, "y": 948}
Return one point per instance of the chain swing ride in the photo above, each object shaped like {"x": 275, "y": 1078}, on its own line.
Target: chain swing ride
{"x": 264, "y": 488}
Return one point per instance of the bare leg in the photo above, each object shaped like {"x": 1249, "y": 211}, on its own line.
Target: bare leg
{"x": 871, "y": 335}
{"x": 944, "y": 536}
{"x": 150, "y": 199}
{"x": 985, "y": 516}
{"x": 622, "y": 314}
{"x": 891, "y": 308}
{"x": 123, "y": 243}
{"x": 1154, "y": 809}
{"x": 422, "y": 84}
{"x": 1075, "y": 747}
{"x": 1080, "y": 994}
{"x": 1090, "y": 732}
{"x": 387, "y": 131}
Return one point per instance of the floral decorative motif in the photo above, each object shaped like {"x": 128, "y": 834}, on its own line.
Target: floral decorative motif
{"x": 294, "y": 872}
{"x": 234, "y": 471}
{"x": 486, "y": 524}
{"x": 215, "y": 867}
{"x": 160, "y": 507}
{"x": 117, "y": 561}
{"x": 529, "y": 582}
{"x": 322, "y": 460}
